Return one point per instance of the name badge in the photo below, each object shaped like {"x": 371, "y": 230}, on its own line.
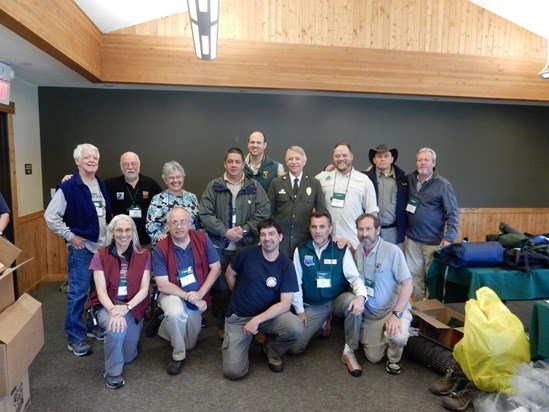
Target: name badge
{"x": 323, "y": 280}
{"x": 186, "y": 276}
{"x": 370, "y": 288}
{"x": 135, "y": 212}
{"x": 123, "y": 288}
{"x": 99, "y": 207}
{"x": 412, "y": 205}
{"x": 330, "y": 261}
{"x": 338, "y": 200}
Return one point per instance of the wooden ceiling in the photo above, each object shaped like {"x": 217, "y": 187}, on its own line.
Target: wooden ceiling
{"x": 444, "y": 48}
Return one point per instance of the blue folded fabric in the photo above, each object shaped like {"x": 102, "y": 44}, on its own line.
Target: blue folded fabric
{"x": 473, "y": 254}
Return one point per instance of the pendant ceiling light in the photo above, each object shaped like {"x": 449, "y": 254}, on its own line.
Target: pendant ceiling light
{"x": 204, "y": 16}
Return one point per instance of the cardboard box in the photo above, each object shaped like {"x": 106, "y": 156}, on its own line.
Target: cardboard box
{"x": 21, "y": 337}
{"x": 8, "y": 253}
{"x": 438, "y": 322}
{"x": 18, "y": 400}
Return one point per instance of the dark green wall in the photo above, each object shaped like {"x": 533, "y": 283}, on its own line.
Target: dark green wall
{"x": 495, "y": 155}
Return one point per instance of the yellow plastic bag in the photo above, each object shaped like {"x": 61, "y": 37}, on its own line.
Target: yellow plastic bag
{"x": 493, "y": 342}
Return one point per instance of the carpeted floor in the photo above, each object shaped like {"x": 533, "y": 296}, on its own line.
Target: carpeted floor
{"x": 314, "y": 381}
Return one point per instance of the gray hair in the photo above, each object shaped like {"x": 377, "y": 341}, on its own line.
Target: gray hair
{"x": 428, "y": 150}
{"x": 297, "y": 149}
{"x": 170, "y": 167}
{"x": 78, "y": 150}
{"x": 112, "y": 225}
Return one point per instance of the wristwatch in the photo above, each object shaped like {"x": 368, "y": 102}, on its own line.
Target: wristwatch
{"x": 397, "y": 314}
{"x": 129, "y": 306}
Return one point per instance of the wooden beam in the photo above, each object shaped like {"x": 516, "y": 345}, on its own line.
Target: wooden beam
{"x": 171, "y": 61}
{"x": 59, "y": 28}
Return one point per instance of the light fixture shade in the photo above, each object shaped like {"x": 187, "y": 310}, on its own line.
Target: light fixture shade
{"x": 204, "y": 17}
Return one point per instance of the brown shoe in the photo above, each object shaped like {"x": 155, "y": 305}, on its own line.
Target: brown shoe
{"x": 327, "y": 328}
{"x": 260, "y": 338}
{"x": 221, "y": 334}
{"x": 444, "y": 385}
{"x": 349, "y": 359}
{"x": 461, "y": 397}
{"x": 275, "y": 364}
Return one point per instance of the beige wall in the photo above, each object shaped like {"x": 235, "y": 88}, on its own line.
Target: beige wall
{"x": 27, "y": 146}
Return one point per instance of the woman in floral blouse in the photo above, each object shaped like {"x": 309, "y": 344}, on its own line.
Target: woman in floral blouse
{"x": 173, "y": 175}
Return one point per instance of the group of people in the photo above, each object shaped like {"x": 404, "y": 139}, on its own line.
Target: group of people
{"x": 274, "y": 254}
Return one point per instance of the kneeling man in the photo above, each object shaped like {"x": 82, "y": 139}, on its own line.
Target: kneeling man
{"x": 262, "y": 281}
{"x": 185, "y": 266}
{"x": 324, "y": 273}
{"x": 386, "y": 319}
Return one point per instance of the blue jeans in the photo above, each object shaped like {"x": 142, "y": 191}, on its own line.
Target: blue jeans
{"x": 80, "y": 277}
{"x": 120, "y": 347}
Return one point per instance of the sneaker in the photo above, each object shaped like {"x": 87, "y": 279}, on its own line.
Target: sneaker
{"x": 327, "y": 328}
{"x": 79, "y": 348}
{"x": 393, "y": 367}
{"x": 97, "y": 333}
{"x": 64, "y": 288}
{"x": 114, "y": 382}
{"x": 462, "y": 399}
{"x": 349, "y": 359}
{"x": 444, "y": 385}
{"x": 275, "y": 364}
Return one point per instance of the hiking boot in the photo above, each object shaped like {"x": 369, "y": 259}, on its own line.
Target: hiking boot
{"x": 444, "y": 385}
{"x": 462, "y": 399}
{"x": 349, "y": 359}
{"x": 97, "y": 333}
{"x": 393, "y": 367}
{"x": 79, "y": 348}
{"x": 327, "y": 328}
{"x": 114, "y": 382}
{"x": 275, "y": 364}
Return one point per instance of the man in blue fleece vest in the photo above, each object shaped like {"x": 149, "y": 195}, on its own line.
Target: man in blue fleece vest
{"x": 78, "y": 212}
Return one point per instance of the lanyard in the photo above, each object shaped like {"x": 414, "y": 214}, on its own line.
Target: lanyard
{"x": 373, "y": 279}
{"x": 134, "y": 194}
{"x": 348, "y": 181}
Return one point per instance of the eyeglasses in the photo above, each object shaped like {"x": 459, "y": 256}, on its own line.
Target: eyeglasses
{"x": 183, "y": 222}
{"x": 120, "y": 231}
{"x": 128, "y": 164}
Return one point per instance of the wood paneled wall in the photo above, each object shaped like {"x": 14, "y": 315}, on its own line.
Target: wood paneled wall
{"x": 32, "y": 236}
{"x": 447, "y": 48}
{"x": 475, "y": 223}
{"x": 50, "y": 253}
{"x": 437, "y": 26}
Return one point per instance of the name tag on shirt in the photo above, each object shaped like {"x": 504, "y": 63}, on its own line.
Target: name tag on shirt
{"x": 330, "y": 261}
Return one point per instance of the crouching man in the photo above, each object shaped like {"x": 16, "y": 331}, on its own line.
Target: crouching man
{"x": 262, "y": 281}
{"x": 386, "y": 319}
{"x": 185, "y": 265}
{"x": 325, "y": 273}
